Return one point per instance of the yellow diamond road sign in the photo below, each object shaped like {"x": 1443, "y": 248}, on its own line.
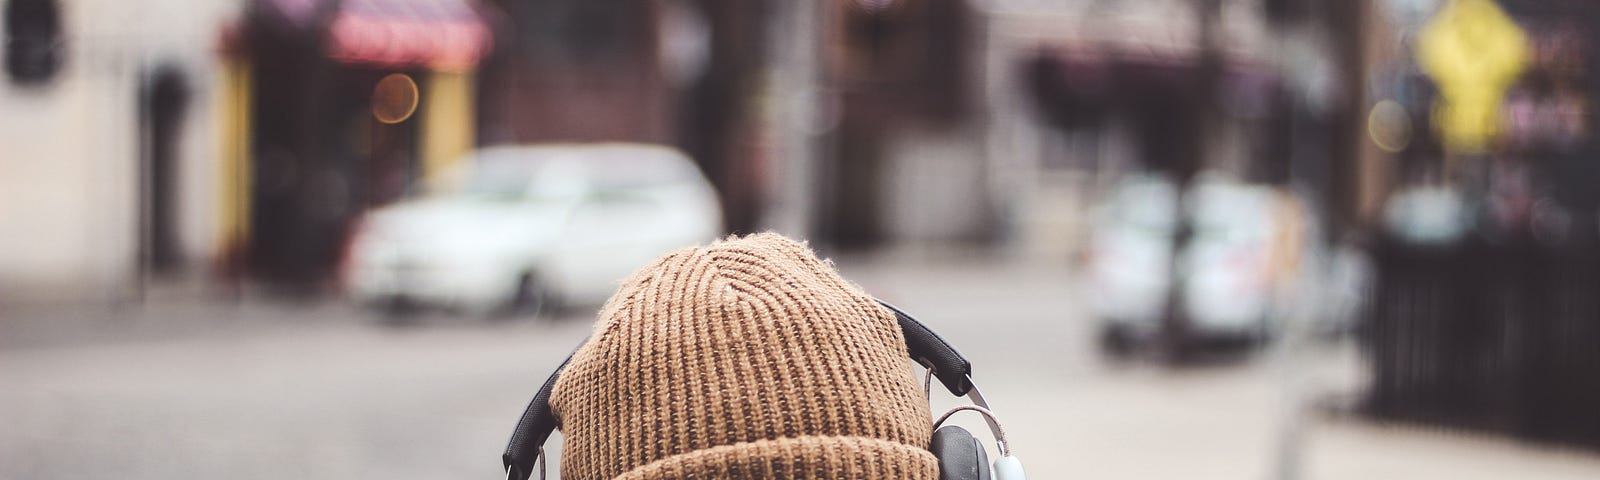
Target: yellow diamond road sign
{"x": 1473, "y": 50}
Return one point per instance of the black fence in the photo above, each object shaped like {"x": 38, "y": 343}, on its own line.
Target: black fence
{"x": 1496, "y": 337}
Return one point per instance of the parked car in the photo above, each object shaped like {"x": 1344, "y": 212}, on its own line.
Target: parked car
{"x": 530, "y": 226}
{"x": 1129, "y": 267}
{"x": 1246, "y": 247}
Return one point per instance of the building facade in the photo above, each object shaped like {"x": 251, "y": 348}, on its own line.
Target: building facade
{"x": 108, "y": 117}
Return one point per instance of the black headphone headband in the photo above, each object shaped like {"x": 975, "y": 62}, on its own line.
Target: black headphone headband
{"x": 538, "y": 421}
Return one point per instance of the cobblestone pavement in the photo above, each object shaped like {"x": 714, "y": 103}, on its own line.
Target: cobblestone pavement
{"x": 184, "y": 389}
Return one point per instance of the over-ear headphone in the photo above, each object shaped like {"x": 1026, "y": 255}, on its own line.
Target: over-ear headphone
{"x": 961, "y": 456}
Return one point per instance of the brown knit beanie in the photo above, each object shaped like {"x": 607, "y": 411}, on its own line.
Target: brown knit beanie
{"x": 746, "y": 359}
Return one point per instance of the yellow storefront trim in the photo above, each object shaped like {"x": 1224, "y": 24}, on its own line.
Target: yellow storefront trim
{"x": 448, "y": 124}
{"x": 234, "y": 154}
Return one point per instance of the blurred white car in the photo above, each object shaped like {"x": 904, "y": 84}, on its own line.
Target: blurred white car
{"x": 1130, "y": 253}
{"x": 528, "y": 225}
{"x": 1245, "y": 243}
{"x": 1231, "y": 265}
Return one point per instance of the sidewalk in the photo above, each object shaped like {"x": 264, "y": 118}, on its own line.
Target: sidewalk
{"x": 172, "y": 309}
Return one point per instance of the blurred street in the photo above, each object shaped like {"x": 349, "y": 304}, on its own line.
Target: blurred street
{"x": 183, "y": 389}
{"x": 308, "y": 239}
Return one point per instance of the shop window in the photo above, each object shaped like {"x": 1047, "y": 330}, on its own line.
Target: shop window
{"x": 33, "y": 41}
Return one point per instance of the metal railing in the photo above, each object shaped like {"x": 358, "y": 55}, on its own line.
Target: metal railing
{"x": 1496, "y": 337}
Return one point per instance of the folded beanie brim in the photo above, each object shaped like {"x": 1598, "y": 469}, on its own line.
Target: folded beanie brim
{"x": 808, "y": 457}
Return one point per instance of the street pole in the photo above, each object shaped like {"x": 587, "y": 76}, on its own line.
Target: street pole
{"x": 791, "y": 96}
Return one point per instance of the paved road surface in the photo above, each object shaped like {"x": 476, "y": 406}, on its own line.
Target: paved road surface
{"x": 179, "y": 390}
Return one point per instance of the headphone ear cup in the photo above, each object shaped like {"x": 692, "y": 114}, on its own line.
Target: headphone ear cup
{"x": 960, "y": 455}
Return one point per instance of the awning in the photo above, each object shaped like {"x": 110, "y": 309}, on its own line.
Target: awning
{"x": 434, "y": 34}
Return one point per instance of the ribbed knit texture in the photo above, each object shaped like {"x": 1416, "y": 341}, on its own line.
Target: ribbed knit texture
{"x": 746, "y": 359}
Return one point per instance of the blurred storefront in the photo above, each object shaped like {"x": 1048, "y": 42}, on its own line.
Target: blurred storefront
{"x": 1082, "y": 93}
{"x": 996, "y": 122}
{"x": 1484, "y": 314}
{"x": 108, "y": 142}
{"x": 1491, "y": 101}
{"x": 320, "y": 142}
{"x": 901, "y": 150}
{"x": 676, "y": 72}
{"x": 338, "y": 106}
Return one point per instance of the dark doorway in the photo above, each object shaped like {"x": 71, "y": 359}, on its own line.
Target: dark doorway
{"x": 323, "y": 156}
{"x": 163, "y": 100}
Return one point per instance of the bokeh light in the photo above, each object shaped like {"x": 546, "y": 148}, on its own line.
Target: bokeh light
{"x": 395, "y": 98}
